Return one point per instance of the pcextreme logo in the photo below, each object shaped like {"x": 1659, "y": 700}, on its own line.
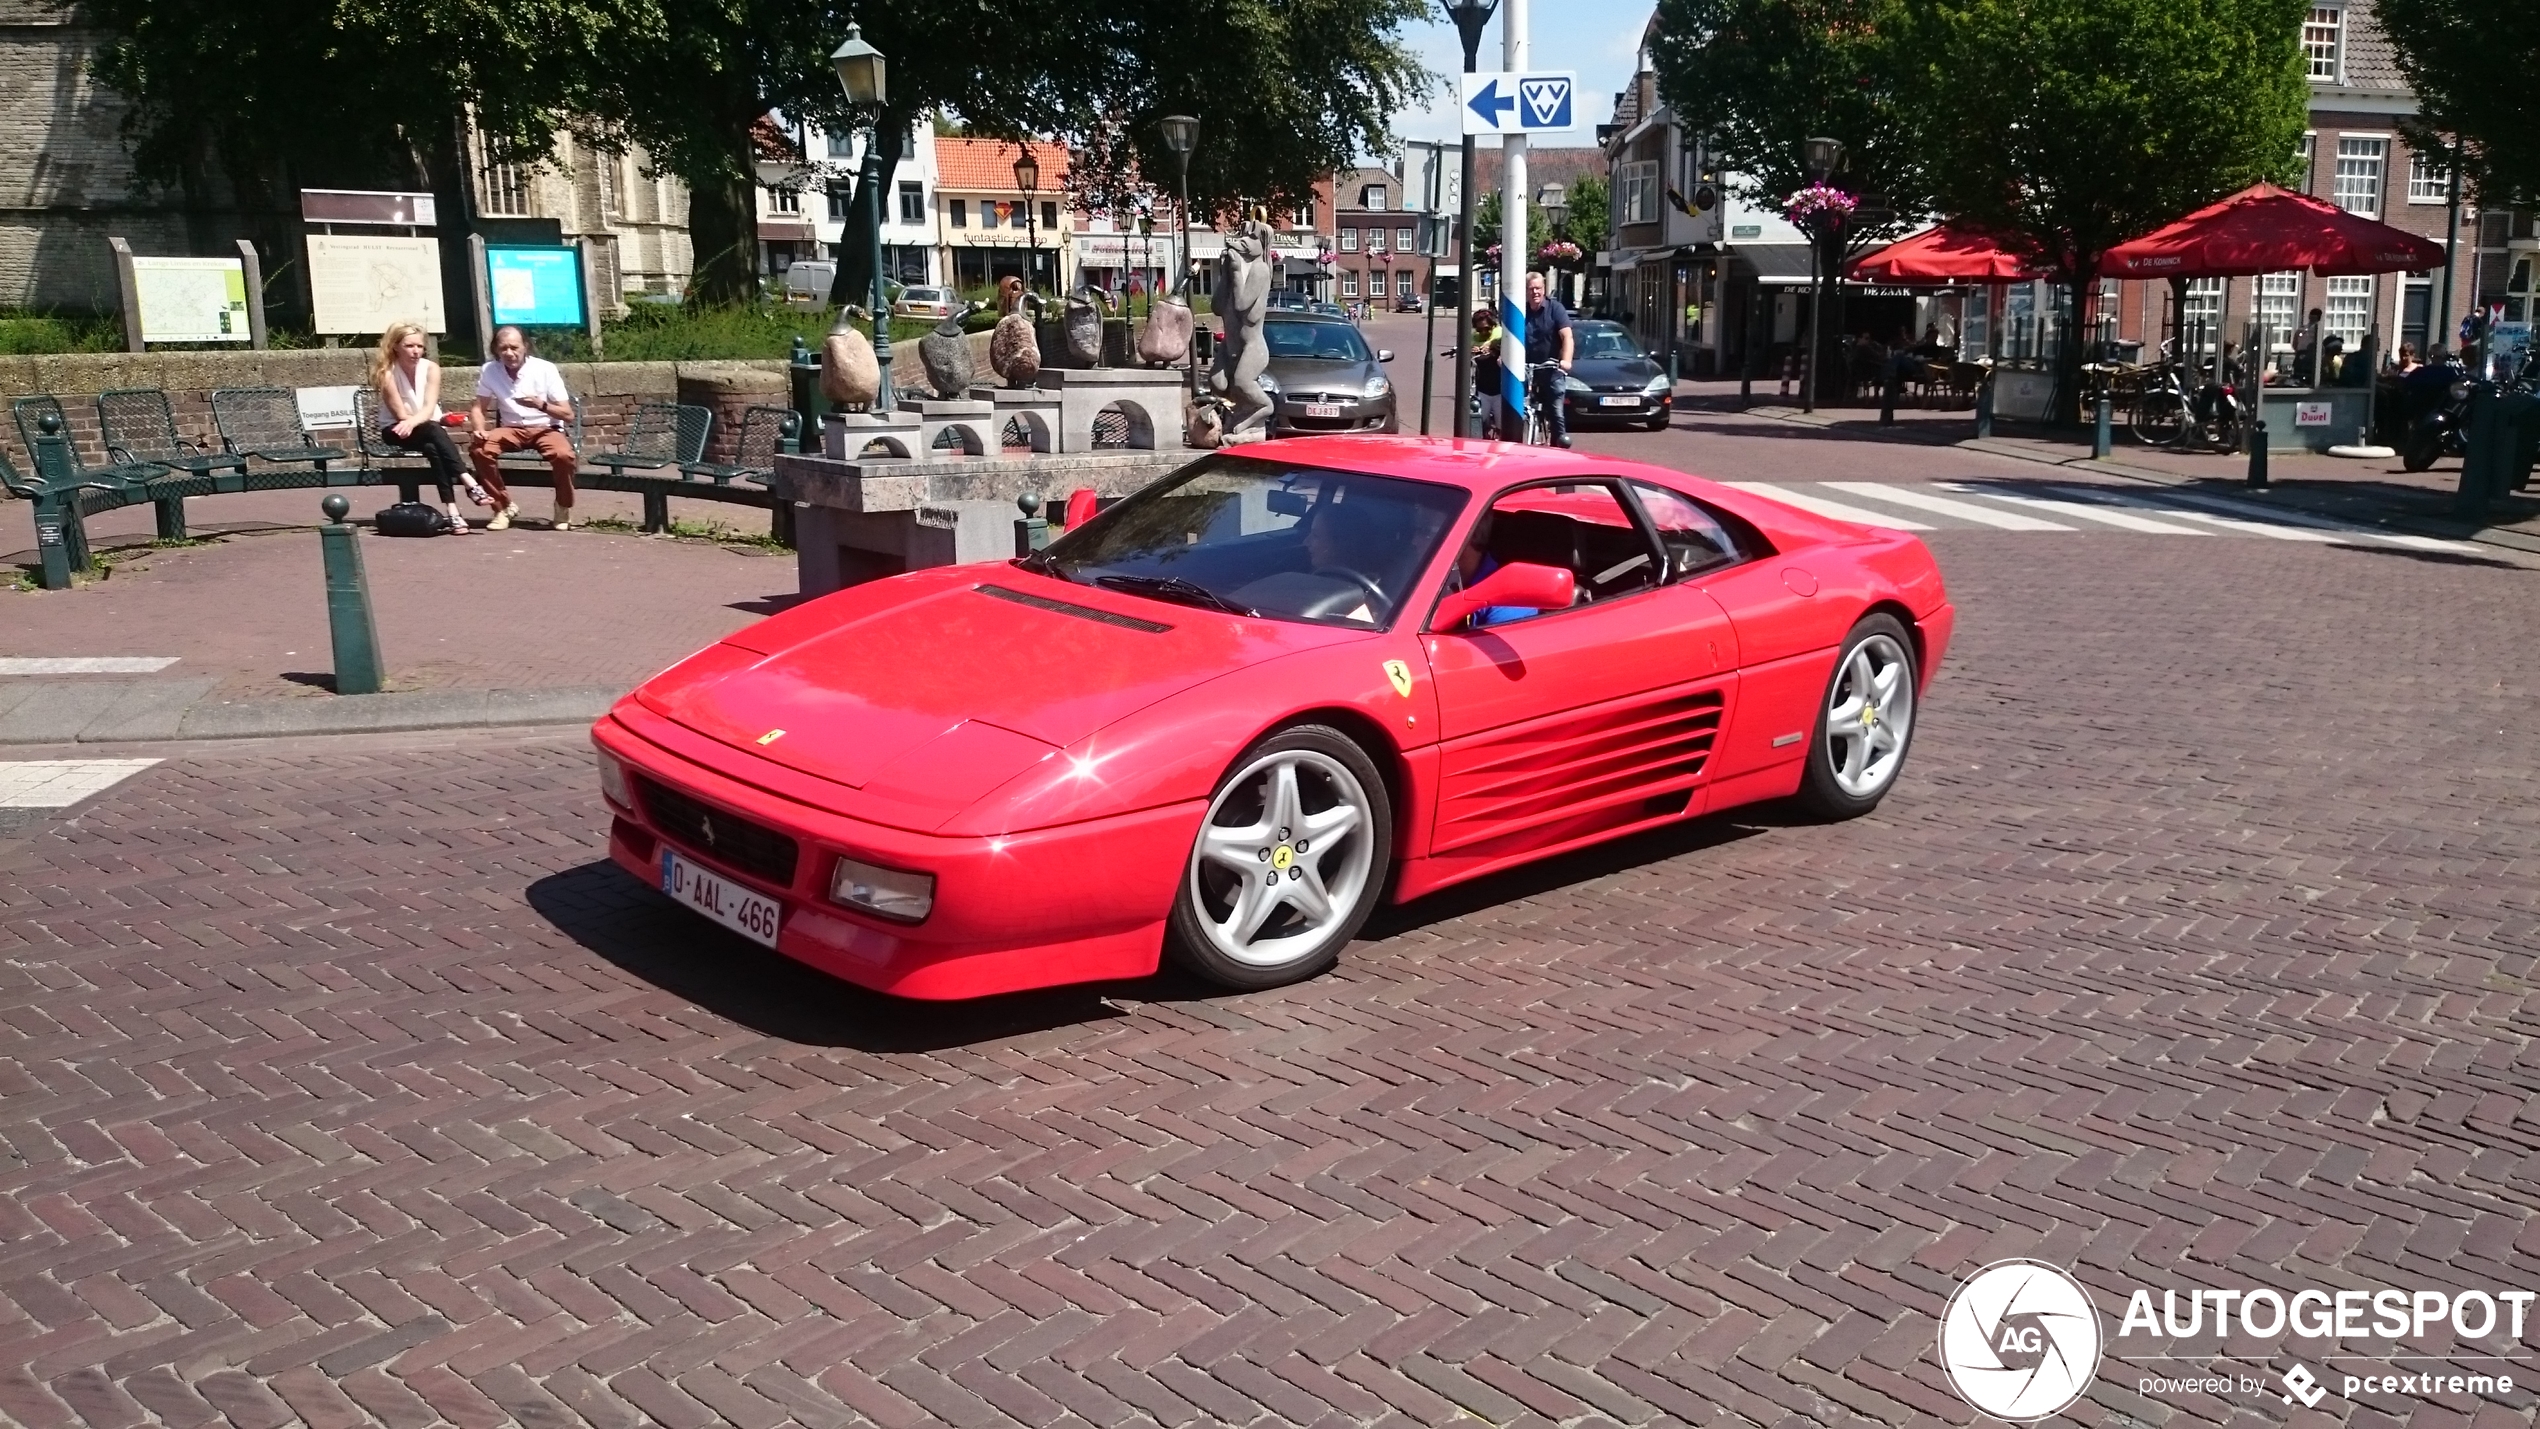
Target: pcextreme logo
{"x": 2020, "y": 1340}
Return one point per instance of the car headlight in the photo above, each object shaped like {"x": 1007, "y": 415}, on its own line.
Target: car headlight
{"x": 1269, "y": 384}
{"x": 1574, "y": 385}
{"x": 2460, "y": 391}
{"x": 613, "y": 785}
{"x": 891, "y": 893}
{"x": 1658, "y": 386}
{"x": 1378, "y": 387}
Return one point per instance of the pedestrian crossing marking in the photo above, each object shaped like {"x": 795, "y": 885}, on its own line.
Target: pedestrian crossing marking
{"x": 84, "y": 664}
{"x": 2086, "y": 511}
{"x": 1821, "y": 506}
{"x": 60, "y": 783}
{"x": 1945, "y": 506}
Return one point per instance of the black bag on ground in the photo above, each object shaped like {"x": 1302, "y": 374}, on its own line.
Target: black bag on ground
{"x": 412, "y": 518}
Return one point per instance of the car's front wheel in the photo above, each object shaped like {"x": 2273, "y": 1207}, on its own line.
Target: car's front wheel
{"x": 1288, "y": 863}
{"x": 1864, "y": 723}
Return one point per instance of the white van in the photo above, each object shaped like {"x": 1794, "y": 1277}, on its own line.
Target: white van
{"x": 807, "y": 282}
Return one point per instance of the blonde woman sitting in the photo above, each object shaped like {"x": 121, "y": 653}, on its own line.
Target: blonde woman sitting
{"x": 409, "y": 388}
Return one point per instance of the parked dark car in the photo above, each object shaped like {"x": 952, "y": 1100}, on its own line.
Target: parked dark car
{"x": 1410, "y": 303}
{"x": 1323, "y": 377}
{"x": 1614, "y": 379}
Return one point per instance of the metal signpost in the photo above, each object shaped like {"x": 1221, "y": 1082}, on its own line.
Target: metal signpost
{"x": 1513, "y": 104}
{"x": 1469, "y": 17}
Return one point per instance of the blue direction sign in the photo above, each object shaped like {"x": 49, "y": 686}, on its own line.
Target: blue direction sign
{"x": 1504, "y": 103}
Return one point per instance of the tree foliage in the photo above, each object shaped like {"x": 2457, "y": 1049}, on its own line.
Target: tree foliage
{"x": 2470, "y": 63}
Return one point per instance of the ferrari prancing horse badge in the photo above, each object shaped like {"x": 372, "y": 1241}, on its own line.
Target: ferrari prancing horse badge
{"x": 1400, "y": 674}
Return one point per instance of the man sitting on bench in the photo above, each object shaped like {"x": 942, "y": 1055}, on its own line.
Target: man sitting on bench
{"x": 521, "y": 403}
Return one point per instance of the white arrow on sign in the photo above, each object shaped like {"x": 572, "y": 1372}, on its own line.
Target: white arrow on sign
{"x": 1509, "y": 103}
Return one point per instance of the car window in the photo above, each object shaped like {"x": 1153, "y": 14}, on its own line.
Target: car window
{"x": 1325, "y": 342}
{"x": 1694, "y": 538}
{"x": 1581, "y": 527}
{"x": 1604, "y": 340}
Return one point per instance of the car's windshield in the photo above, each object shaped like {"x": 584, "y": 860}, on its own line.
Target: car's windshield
{"x": 1325, "y": 342}
{"x": 1605, "y": 340}
{"x": 924, "y": 295}
{"x": 1258, "y": 535}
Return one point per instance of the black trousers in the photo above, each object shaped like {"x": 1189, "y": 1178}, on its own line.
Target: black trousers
{"x": 433, "y": 441}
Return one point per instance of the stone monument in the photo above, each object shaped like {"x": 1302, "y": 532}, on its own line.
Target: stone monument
{"x": 1241, "y": 297}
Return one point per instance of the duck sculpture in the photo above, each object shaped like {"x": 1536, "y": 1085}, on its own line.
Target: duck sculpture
{"x": 945, "y": 353}
{"x": 849, "y": 376}
{"x": 1014, "y": 348}
{"x": 1166, "y": 339}
{"x": 1082, "y": 322}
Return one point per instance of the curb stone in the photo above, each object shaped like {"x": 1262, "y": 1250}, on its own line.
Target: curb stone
{"x": 101, "y": 712}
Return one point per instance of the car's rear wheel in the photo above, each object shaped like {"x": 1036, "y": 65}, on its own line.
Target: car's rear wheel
{"x": 1864, "y": 723}
{"x": 1288, "y": 863}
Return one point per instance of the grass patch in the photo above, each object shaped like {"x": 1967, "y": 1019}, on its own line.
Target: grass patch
{"x": 27, "y": 334}
{"x": 686, "y": 529}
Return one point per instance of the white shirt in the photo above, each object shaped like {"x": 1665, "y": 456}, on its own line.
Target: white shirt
{"x": 410, "y": 393}
{"x": 515, "y": 396}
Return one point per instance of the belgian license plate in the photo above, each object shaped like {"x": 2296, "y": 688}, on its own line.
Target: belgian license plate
{"x": 752, "y": 915}
{"x": 1618, "y": 401}
{"x": 1322, "y": 409}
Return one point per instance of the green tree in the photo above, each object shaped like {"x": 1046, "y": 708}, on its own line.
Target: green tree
{"x": 2470, "y": 63}
{"x": 1589, "y": 223}
{"x": 2083, "y": 123}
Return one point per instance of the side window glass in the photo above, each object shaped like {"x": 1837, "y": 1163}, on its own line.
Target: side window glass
{"x": 1581, "y": 527}
{"x": 1694, "y": 539}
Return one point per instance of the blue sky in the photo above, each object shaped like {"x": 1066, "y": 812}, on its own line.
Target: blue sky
{"x": 1597, "y": 38}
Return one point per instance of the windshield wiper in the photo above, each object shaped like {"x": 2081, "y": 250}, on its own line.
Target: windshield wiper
{"x": 1177, "y": 590}
{"x": 1040, "y": 563}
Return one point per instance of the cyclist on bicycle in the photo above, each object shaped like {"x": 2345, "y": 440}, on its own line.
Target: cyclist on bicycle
{"x": 1486, "y": 367}
{"x": 1548, "y": 340}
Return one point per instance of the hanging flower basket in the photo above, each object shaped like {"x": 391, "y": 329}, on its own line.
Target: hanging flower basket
{"x": 1560, "y": 253}
{"x": 1492, "y": 252}
{"x": 1820, "y": 208}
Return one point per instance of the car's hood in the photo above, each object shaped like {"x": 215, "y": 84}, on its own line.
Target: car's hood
{"x": 1314, "y": 374}
{"x": 1614, "y": 372}
{"x": 979, "y": 663}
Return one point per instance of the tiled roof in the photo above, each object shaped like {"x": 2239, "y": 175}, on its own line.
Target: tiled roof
{"x": 987, "y": 165}
{"x": 2370, "y": 61}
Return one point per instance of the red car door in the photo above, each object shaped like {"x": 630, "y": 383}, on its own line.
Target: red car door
{"x": 1569, "y": 725}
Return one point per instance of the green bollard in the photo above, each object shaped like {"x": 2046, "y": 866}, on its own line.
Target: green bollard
{"x": 1984, "y": 407}
{"x": 2257, "y": 454}
{"x": 1032, "y": 531}
{"x": 355, "y": 635}
{"x": 809, "y": 401}
{"x": 61, "y": 533}
{"x": 2103, "y": 436}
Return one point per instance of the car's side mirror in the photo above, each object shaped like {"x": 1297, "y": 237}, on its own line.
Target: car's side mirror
{"x": 1384, "y": 354}
{"x": 1519, "y": 584}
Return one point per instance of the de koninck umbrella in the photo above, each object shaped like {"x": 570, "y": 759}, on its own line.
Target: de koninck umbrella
{"x": 1948, "y": 254}
{"x": 2265, "y": 229}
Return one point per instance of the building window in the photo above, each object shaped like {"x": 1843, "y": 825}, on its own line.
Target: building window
{"x": 1372, "y": 198}
{"x": 912, "y": 203}
{"x": 2348, "y": 311}
{"x": 2321, "y": 41}
{"x": 1305, "y": 215}
{"x": 2310, "y": 162}
{"x": 842, "y": 146}
{"x": 1636, "y": 192}
{"x": 502, "y": 190}
{"x": 991, "y": 213}
{"x": 2278, "y": 295}
{"x": 1349, "y": 283}
{"x": 1049, "y": 216}
{"x": 784, "y": 200}
{"x": 1349, "y": 240}
{"x": 960, "y": 212}
{"x": 2428, "y": 180}
{"x": 2204, "y": 303}
{"x": 1404, "y": 287}
{"x": 604, "y": 173}
{"x": 1402, "y": 239}
{"x": 2359, "y": 175}
{"x": 839, "y": 201}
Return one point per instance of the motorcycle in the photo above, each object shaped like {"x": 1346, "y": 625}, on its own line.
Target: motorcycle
{"x": 2439, "y": 395}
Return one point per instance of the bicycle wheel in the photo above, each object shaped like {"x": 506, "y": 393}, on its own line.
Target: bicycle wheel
{"x": 2159, "y": 419}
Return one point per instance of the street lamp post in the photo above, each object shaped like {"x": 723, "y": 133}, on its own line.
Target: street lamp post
{"x": 1181, "y": 135}
{"x": 1469, "y": 17}
{"x": 861, "y": 74}
{"x": 1027, "y": 176}
{"x": 1554, "y": 200}
{"x": 1823, "y": 157}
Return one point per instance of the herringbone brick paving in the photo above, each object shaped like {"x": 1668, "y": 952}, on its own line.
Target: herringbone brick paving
{"x": 352, "y": 1086}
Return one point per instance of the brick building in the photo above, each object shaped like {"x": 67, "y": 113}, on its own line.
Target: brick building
{"x": 1376, "y": 256}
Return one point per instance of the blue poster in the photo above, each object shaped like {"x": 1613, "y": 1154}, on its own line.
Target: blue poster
{"x": 535, "y": 287}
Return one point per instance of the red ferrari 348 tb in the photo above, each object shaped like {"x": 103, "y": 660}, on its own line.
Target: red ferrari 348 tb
{"x": 1225, "y": 717}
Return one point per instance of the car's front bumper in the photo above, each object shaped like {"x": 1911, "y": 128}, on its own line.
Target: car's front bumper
{"x": 1288, "y": 417}
{"x": 1079, "y": 903}
{"x": 1639, "y": 406}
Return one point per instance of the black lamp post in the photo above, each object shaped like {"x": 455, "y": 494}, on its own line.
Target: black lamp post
{"x": 1469, "y": 17}
{"x": 1027, "y": 176}
{"x": 1554, "y": 200}
{"x": 860, "y": 73}
{"x": 1181, "y": 135}
{"x": 1823, "y": 157}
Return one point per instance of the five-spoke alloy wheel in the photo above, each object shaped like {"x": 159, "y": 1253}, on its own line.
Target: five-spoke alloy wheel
{"x": 1865, "y": 722}
{"x": 1288, "y": 862}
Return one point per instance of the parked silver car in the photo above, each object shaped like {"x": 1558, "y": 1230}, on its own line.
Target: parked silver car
{"x": 1323, "y": 377}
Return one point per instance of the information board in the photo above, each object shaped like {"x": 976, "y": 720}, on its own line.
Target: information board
{"x": 191, "y": 299}
{"x": 362, "y": 283}
{"x": 534, "y": 287}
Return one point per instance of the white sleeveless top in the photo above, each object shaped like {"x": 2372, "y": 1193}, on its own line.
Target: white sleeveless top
{"x": 407, "y": 392}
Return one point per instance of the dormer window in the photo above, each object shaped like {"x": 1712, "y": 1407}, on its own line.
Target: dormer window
{"x": 2323, "y": 43}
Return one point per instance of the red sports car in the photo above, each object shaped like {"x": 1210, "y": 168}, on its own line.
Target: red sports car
{"x": 1223, "y": 718}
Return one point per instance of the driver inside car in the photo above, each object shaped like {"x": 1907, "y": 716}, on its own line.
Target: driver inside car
{"x": 1353, "y": 545}
{"x": 1476, "y": 561}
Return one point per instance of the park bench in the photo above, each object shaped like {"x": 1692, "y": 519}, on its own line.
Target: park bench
{"x": 264, "y": 423}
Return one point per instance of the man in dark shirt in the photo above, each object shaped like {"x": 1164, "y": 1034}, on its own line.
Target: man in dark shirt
{"x": 1548, "y": 339}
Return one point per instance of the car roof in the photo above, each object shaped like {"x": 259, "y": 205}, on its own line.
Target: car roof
{"x": 1474, "y": 465}
{"x": 1310, "y": 315}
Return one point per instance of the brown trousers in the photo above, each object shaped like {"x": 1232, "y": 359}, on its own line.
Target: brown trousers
{"x": 554, "y": 445}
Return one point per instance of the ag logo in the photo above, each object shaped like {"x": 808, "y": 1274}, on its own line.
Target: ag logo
{"x": 2020, "y": 1340}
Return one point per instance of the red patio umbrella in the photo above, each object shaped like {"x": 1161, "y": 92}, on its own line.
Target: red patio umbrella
{"x": 1946, "y": 254}
{"x": 2265, "y": 229}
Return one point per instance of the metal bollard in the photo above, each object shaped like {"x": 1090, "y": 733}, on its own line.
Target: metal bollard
{"x": 2484, "y": 457}
{"x": 810, "y": 403}
{"x": 61, "y": 532}
{"x": 355, "y": 635}
{"x": 1984, "y": 406}
{"x": 1032, "y": 532}
{"x": 2257, "y": 454}
{"x": 2102, "y": 436}
{"x": 1887, "y": 398}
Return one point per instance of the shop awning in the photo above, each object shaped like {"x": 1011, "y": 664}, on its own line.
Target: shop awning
{"x": 1775, "y": 264}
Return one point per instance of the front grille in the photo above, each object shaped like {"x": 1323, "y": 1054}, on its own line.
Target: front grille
{"x": 719, "y": 834}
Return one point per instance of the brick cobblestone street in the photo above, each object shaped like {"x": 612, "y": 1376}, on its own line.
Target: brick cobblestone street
{"x": 345, "y": 1082}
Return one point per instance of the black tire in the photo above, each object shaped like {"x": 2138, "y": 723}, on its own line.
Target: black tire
{"x": 2424, "y": 448}
{"x": 1207, "y": 894}
{"x": 1656, "y": 424}
{"x": 2159, "y": 418}
{"x": 1822, "y": 791}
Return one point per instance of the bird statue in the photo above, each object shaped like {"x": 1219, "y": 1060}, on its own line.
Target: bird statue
{"x": 1082, "y": 322}
{"x": 1166, "y": 339}
{"x": 1014, "y": 348}
{"x": 945, "y": 353}
{"x": 1204, "y": 423}
{"x": 849, "y": 377}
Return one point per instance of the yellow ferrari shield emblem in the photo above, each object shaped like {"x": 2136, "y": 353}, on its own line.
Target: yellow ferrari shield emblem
{"x": 1282, "y": 856}
{"x": 771, "y": 736}
{"x": 1400, "y": 674}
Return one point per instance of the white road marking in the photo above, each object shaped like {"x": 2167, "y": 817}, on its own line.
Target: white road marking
{"x": 60, "y": 783}
{"x": 84, "y": 664}
{"x": 2310, "y": 522}
{"x": 1944, "y": 506}
{"x": 1820, "y": 506}
{"x": 2082, "y": 511}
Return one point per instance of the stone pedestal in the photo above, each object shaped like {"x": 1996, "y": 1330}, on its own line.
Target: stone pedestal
{"x": 845, "y": 435}
{"x": 1036, "y": 409}
{"x": 1150, "y": 398}
{"x": 976, "y": 428}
